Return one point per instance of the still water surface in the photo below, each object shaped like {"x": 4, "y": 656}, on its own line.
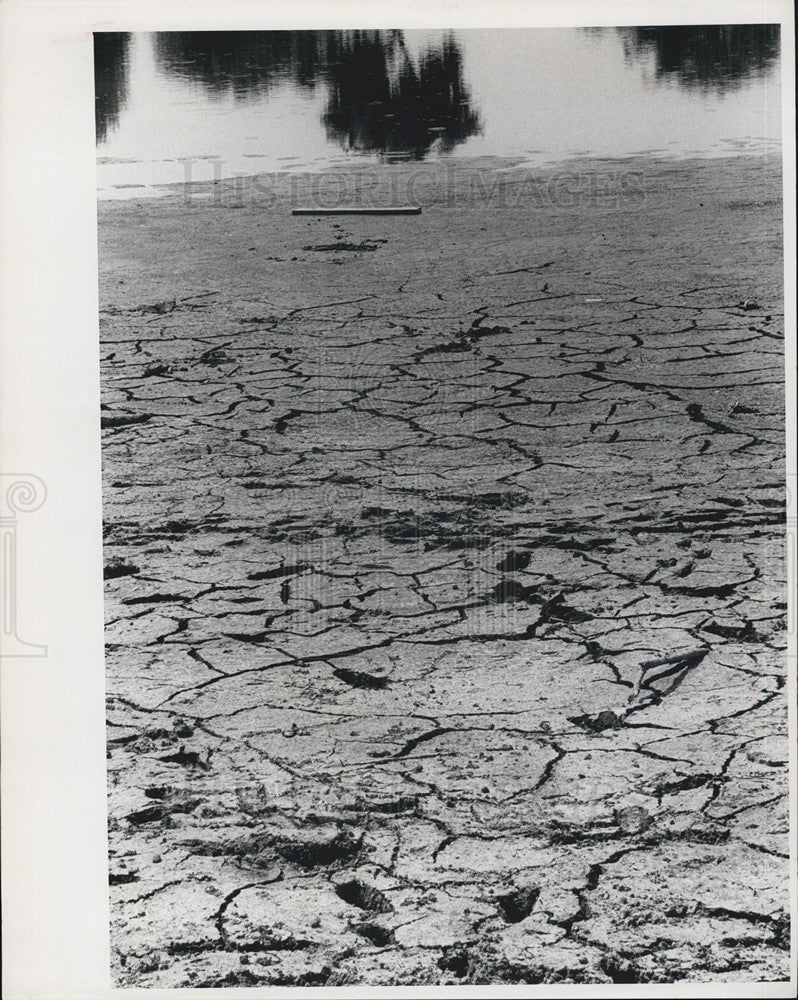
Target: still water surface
{"x": 221, "y": 104}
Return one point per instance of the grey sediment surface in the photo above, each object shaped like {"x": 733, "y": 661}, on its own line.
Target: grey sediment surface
{"x": 445, "y": 578}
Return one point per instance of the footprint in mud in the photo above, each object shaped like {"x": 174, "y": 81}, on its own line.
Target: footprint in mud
{"x": 358, "y": 679}
{"x": 118, "y": 567}
{"x": 517, "y": 905}
{"x": 318, "y": 848}
{"x": 366, "y": 897}
{"x": 188, "y": 758}
{"x": 514, "y": 562}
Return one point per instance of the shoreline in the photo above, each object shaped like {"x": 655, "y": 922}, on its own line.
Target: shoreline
{"x": 767, "y": 150}
{"x": 445, "y": 579}
{"x": 447, "y": 175}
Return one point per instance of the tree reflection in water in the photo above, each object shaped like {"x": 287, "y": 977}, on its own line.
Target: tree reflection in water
{"x": 246, "y": 63}
{"x": 379, "y": 100}
{"x": 110, "y": 79}
{"x": 716, "y": 55}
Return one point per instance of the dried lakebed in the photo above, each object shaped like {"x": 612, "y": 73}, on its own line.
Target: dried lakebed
{"x": 445, "y": 584}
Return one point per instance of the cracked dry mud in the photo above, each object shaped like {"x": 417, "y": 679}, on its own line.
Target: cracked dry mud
{"x": 445, "y": 585}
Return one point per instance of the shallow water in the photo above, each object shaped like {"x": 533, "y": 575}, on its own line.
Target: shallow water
{"x": 199, "y": 105}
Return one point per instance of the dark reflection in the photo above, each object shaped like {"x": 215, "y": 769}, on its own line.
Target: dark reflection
{"x": 110, "y": 79}
{"x": 716, "y": 55}
{"x": 244, "y": 62}
{"x": 378, "y": 100}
